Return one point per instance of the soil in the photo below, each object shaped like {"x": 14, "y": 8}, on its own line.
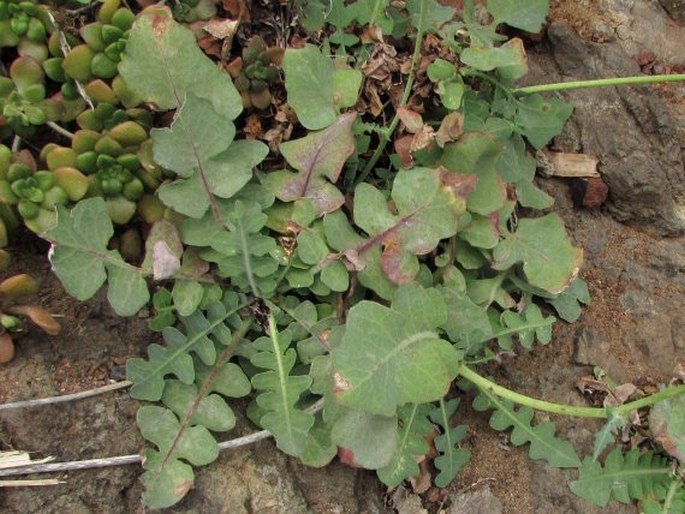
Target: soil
{"x": 634, "y": 331}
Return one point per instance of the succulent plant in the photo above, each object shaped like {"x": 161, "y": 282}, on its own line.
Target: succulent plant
{"x": 23, "y": 102}
{"x": 14, "y": 291}
{"x": 34, "y": 193}
{"x": 189, "y": 11}
{"x": 113, "y": 164}
{"x": 104, "y": 40}
{"x": 255, "y": 71}
{"x": 25, "y": 25}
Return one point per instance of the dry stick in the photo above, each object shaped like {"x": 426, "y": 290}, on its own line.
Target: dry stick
{"x": 30, "y": 483}
{"x": 64, "y": 46}
{"x": 67, "y": 397}
{"x": 60, "y": 130}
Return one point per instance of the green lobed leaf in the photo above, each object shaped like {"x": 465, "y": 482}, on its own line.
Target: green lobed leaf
{"x": 540, "y": 120}
{"x": 209, "y": 161}
{"x": 316, "y": 90}
{"x": 341, "y": 237}
{"x": 529, "y": 15}
{"x": 243, "y": 253}
{"x": 517, "y": 167}
{"x": 412, "y": 445}
{"x": 369, "y": 439}
{"x": 529, "y": 324}
{"x": 543, "y": 443}
{"x": 279, "y": 391}
{"x": 623, "y": 477}
{"x": 550, "y": 261}
{"x": 476, "y": 154}
{"x": 148, "y": 377}
{"x": 230, "y": 380}
{"x": 82, "y": 262}
{"x": 467, "y": 323}
{"x": 568, "y": 302}
{"x": 316, "y": 157}
{"x": 341, "y": 16}
{"x": 487, "y": 58}
{"x": 197, "y": 133}
{"x": 481, "y": 232}
{"x": 451, "y": 458}
{"x": 164, "y": 310}
{"x": 606, "y": 435}
{"x": 436, "y": 14}
{"x": 211, "y": 412}
{"x": 392, "y": 356}
{"x": 187, "y": 295}
{"x": 167, "y": 478}
{"x": 318, "y": 449}
{"x": 162, "y": 63}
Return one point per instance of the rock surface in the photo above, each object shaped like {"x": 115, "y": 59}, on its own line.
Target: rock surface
{"x": 630, "y": 129}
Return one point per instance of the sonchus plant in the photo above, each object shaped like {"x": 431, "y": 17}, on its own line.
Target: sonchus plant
{"x": 255, "y": 71}
{"x": 14, "y": 309}
{"x": 347, "y": 291}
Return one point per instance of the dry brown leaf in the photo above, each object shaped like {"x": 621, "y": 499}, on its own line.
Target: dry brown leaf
{"x": 412, "y": 120}
{"x": 221, "y": 29}
{"x": 39, "y": 316}
{"x": 238, "y": 9}
{"x": 6, "y": 347}
{"x": 423, "y": 139}
{"x": 403, "y": 149}
{"x": 450, "y": 129}
{"x": 253, "y": 127}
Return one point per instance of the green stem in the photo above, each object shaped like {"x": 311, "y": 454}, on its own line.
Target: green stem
{"x": 387, "y": 134}
{"x": 578, "y": 84}
{"x": 492, "y": 80}
{"x": 567, "y": 410}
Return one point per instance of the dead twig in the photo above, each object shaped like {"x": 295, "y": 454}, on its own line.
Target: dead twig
{"x": 66, "y": 397}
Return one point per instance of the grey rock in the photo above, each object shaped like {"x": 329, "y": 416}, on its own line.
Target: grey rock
{"x": 651, "y": 340}
{"x": 630, "y": 129}
{"x": 675, "y": 8}
{"x": 637, "y": 302}
{"x": 480, "y": 501}
{"x": 592, "y": 348}
{"x": 643, "y": 25}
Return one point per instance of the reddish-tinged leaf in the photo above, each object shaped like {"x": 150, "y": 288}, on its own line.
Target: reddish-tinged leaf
{"x": 412, "y": 120}
{"x": 347, "y": 457}
{"x": 315, "y": 156}
{"x": 427, "y": 206}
